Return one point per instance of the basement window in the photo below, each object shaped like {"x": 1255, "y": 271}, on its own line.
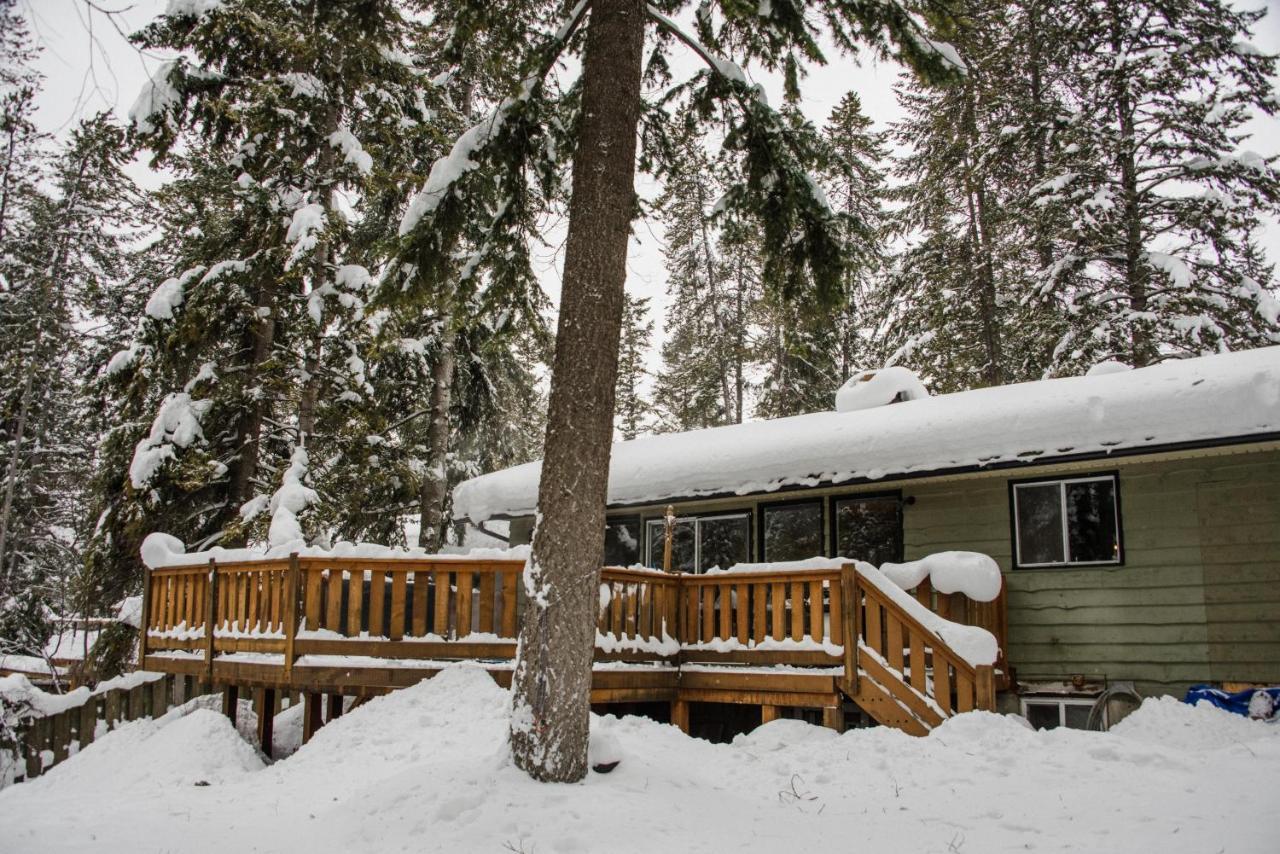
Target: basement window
{"x": 1054, "y": 712}
{"x": 1069, "y": 522}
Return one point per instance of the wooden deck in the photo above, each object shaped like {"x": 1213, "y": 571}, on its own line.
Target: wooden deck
{"x": 359, "y": 627}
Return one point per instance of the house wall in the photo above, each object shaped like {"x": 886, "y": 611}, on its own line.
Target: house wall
{"x": 1197, "y": 598}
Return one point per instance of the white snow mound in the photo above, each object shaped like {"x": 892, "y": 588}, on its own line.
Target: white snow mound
{"x": 869, "y": 389}
{"x": 1170, "y": 722}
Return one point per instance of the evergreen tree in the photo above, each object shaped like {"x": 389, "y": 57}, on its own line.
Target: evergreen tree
{"x": 634, "y": 412}
{"x": 1162, "y": 204}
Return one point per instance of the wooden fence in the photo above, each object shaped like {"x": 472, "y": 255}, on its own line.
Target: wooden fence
{"x": 43, "y": 741}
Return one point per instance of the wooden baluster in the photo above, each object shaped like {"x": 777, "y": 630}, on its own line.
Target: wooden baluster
{"x": 464, "y": 603}
{"x": 613, "y": 621}
{"x": 632, "y": 609}
{"x": 692, "y": 632}
{"x": 778, "y": 606}
{"x": 253, "y": 616}
{"x": 644, "y": 620}
{"x": 147, "y": 621}
{"x": 759, "y": 612}
{"x": 226, "y": 595}
{"x": 817, "y": 629}
{"x": 399, "y": 585}
{"x": 708, "y": 611}
{"x": 942, "y": 683}
{"x": 919, "y": 679}
{"x": 421, "y": 583}
{"x": 797, "y": 610}
{"x": 726, "y": 611}
{"x": 964, "y": 691}
{"x": 166, "y": 605}
{"x": 510, "y": 627}
{"x": 874, "y": 640}
{"x": 277, "y": 619}
{"x": 440, "y": 587}
{"x": 210, "y": 621}
{"x": 742, "y": 610}
{"x": 290, "y": 614}
{"x": 355, "y": 600}
{"x": 314, "y": 585}
{"x": 333, "y": 616}
{"x": 893, "y": 639}
{"x": 835, "y": 612}
{"x": 486, "y": 600}
{"x": 377, "y": 603}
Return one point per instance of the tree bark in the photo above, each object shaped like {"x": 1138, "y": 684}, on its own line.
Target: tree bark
{"x": 436, "y": 481}
{"x": 552, "y": 683}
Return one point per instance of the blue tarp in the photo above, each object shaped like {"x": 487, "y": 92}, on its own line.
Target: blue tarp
{"x": 1237, "y": 702}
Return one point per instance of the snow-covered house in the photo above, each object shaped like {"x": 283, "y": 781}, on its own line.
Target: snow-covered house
{"x": 1135, "y": 514}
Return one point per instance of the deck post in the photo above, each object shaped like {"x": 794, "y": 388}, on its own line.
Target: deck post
{"x": 230, "y": 702}
{"x": 266, "y": 703}
{"x": 210, "y": 614}
{"x": 984, "y": 688}
{"x": 335, "y": 706}
{"x": 833, "y": 717}
{"x": 680, "y": 715}
{"x": 292, "y": 615}
{"x": 850, "y": 601}
{"x": 144, "y": 624}
{"x": 769, "y": 713}
{"x": 311, "y": 719}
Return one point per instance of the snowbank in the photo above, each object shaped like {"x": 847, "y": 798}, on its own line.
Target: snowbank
{"x": 427, "y": 768}
{"x": 1171, "y": 722}
{"x": 1215, "y": 397}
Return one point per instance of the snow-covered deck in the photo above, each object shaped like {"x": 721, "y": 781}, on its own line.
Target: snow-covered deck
{"x": 779, "y": 638}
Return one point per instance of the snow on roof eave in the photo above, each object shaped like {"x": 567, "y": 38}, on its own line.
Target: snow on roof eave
{"x": 1213, "y": 400}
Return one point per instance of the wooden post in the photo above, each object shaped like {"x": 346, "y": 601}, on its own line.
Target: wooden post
{"x": 62, "y": 734}
{"x": 852, "y": 622}
{"x": 231, "y": 702}
{"x": 769, "y": 713}
{"x": 291, "y": 614}
{"x": 833, "y": 717}
{"x": 335, "y": 706}
{"x": 88, "y": 726}
{"x": 669, "y": 523}
{"x": 144, "y": 623}
{"x": 680, "y": 715}
{"x": 311, "y": 720}
{"x": 210, "y": 614}
{"x": 266, "y": 703}
{"x": 984, "y": 688}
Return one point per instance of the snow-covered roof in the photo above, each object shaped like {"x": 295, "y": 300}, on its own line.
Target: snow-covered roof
{"x": 1227, "y": 396}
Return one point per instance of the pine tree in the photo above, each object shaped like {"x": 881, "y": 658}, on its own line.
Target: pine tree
{"x": 633, "y": 410}
{"x": 1161, "y": 202}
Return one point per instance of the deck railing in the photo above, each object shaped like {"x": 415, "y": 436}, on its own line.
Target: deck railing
{"x": 448, "y": 609}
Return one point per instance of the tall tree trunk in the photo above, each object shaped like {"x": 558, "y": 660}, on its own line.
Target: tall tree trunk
{"x": 436, "y": 482}
{"x": 1141, "y": 349}
{"x": 552, "y": 683}
{"x": 261, "y": 339}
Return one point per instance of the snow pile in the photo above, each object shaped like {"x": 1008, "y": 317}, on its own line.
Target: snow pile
{"x": 177, "y": 425}
{"x": 164, "y": 550}
{"x": 869, "y": 389}
{"x": 292, "y": 498}
{"x": 1226, "y": 396}
{"x": 129, "y": 611}
{"x": 1173, "y": 723}
{"x": 972, "y": 573}
{"x": 427, "y": 768}
{"x": 1110, "y": 366}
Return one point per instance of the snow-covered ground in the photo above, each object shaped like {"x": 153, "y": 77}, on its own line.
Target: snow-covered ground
{"x": 426, "y": 769}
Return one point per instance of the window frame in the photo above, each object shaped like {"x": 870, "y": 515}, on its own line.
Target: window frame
{"x": 1062, "y": 481}
{"x": 1062, "y": 703}
{"x": 763, "y": 508}
{"x": 833, "y": 520}
{"x": 697, "y": 518}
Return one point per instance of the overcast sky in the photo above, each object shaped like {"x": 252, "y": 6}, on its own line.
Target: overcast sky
{"x": 89, "y": 66}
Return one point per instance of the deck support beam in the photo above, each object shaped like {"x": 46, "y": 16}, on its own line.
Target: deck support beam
{"x": 311, "y": 715}
{"x": 230, "y": 702}
{"x": 335, "y": 706}
{"x": 680, "y": 715}
{"x": 266, "y": 702}
{"x": 770, "y": 713}
{"x": 833, "y": 718}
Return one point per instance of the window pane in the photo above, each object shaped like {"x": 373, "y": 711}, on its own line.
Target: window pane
{"x": 622, "y": 542}
{"x": 1043, "y": 715}
{"x": 1091, "y": 521}
{"x": 724, "y": 541}
{"x": 1077, "y": 715}
{"x": 793, "y": 531}
{"x": 869, "y": 529}
{"x": 1039, "y": 509}
{"x": 682, "y": 542}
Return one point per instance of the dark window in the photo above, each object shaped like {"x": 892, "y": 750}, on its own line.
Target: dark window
{"x": 869, "y": 528}
{"x": 703, "y": 542}
{"x": 1065, "y": 522}
{"x": 622, "y": 542}
{"x": 792, "y": 531}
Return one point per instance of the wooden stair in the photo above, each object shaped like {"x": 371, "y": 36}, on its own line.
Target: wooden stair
{"x": 899, "y": 671}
